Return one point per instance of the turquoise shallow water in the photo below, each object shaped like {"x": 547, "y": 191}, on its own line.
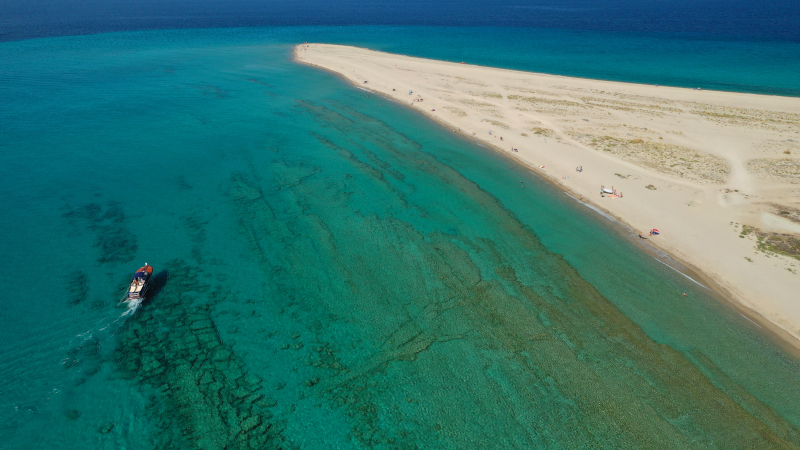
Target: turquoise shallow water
{"x": 333, "y": 271}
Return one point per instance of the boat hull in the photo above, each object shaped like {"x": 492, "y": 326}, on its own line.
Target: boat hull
{"x": 140, "y": 283}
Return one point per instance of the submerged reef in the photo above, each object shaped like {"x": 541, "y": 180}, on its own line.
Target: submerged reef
{"x": 370, "y": 316}
{"x": 206, "y": 398}
{"x": 432, "y": 329}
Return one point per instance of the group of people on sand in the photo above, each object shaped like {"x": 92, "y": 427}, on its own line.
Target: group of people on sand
{"x": 578, "y": 169}
{"x": 611, "y": 192}
{"x": 653, "y": 232}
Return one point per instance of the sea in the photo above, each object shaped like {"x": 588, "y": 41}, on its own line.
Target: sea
{"x": 335, "y": 271}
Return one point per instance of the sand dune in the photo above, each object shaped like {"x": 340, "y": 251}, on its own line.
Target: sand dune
{"x": 717, "y": 173}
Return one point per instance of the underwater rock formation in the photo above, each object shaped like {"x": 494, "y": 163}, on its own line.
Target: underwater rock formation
{"x": 206, "y": 397}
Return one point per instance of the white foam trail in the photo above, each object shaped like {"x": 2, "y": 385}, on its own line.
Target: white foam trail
{"x": 84, "y": 335}
{"x": 105, "y": 324}
{"x": 663, "y": 254}
{"x": 133, "y": 305}
{"x": 595, "y": 209}
{"x": 687, "y": 276}
{"x": 759, "y": 326}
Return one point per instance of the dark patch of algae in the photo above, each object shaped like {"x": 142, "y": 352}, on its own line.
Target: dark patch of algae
{"x": 77, "y": 285}
{"x": 206, "y": 398}
{"x": 115, "y": 242}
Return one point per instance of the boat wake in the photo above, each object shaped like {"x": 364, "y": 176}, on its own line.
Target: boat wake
{"x": 132, "y": 306}
{"x": 106, "y": 327}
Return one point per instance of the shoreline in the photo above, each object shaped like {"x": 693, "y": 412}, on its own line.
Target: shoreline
{"x": 714, "y": 282}
{"x": 776, "y": 334}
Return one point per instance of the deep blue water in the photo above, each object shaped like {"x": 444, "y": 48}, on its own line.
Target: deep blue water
{"x": 774, "y": 20}
{"x": 338, "y": 272}
{"x": 743, "y": 46}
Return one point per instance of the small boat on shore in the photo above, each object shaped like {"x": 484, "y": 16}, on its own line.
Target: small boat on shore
{"x": 140, "y": 283}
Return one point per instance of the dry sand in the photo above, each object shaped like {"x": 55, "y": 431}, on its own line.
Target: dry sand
{"x": 713, "y": 171}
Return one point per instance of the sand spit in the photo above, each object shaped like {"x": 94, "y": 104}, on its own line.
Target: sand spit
{"x": 718, "y": 173}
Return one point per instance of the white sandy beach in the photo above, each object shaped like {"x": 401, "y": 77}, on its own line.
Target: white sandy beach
{"x": 700, "y": 166}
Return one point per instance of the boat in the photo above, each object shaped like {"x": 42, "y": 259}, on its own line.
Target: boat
{"x": 140, "y": 283}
